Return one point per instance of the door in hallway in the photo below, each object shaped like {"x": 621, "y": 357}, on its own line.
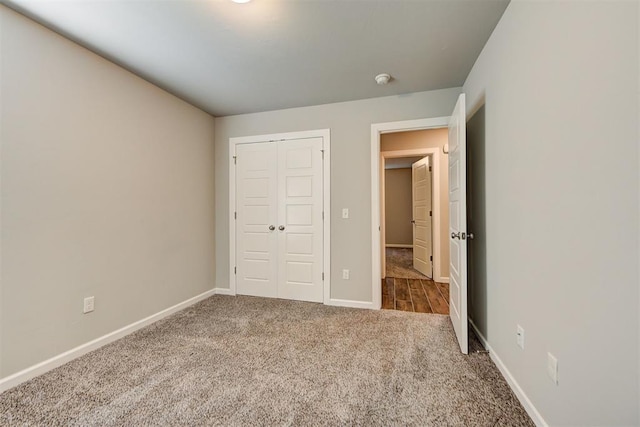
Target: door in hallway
{"x": 421, "y": 208}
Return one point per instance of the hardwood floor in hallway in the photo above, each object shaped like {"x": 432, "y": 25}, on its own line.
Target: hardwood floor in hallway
{"x": 417, "y": 295}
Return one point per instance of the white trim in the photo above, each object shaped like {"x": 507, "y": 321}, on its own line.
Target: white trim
{"x": 59, "y": 360}
{"x": 376, "y": 244}
{"x": 325, "y": 134}
{"x": 407, "y": 125}
{"x": 383, "y": 216}
{"x": 441, "y": 279}
{"x": 351, "y": 303}
{"x": 394, "y": 245}
{"x": 232, "y": 218}
{"x": 223, "y": 291}
{"x": 520, "y": 394}
{"x": 326, "y": 191}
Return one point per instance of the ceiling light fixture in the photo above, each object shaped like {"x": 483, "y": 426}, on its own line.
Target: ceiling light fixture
{"x": 383, "y": 79}
{"x": 241, "y": 1}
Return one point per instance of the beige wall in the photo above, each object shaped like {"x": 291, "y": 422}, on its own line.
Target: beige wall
{"x": 429, "y": 138}
{"x": 398, "y": 207}
{"x": 107, "y": 187}
{"x": 562, "y": 194}
{"x": 350, "y": 124}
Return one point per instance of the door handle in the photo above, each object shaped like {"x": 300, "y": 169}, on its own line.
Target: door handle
{"x": 272, "y": 227}
{"x": 470, "y": 236}
{"x": 281, "y": 228}
{"x": 455, "y": 235}
{"x": 413, "y": 221}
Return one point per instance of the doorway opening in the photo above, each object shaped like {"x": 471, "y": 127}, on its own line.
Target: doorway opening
{"x": 414, "y": 211}
{"x": 402, "y": 140}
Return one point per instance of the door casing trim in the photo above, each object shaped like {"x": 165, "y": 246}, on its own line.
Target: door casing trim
{"x": 325, "y": 134}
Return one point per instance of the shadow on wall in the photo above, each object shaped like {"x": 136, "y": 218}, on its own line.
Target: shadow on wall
{"x": 476, "y": 220}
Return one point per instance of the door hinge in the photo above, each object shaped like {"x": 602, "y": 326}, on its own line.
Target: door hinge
{"x": 323, "y": 216}
{"x": 235, "y": 160}
{"x": 235, "y": 270}
{"x": 429, "y": 168}
{"x": 322, "y": 151}
{"x": 235, "y": 215}
{"x": 430, "y": 213}
{"x": 430, "y": 257}
{"x": 322, "y": 276}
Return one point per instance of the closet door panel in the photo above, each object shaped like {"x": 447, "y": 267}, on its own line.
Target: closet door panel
{"x": 300, "y": 217}
{"x": 256, "y": 206}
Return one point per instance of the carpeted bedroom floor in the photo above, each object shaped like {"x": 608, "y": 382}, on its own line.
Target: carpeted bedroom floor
{"x": 250, "y": 361}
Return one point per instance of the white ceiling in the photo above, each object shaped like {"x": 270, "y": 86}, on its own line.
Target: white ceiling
{"x": 229, "y": 58}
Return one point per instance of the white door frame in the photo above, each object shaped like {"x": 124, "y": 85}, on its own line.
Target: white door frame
{"x": 377, "y": 236}
{"x": 325, "y": 134}
{"x": 436, "y": 157}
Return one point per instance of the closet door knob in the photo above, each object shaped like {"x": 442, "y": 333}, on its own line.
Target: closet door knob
{"x": 272, "y": 227}
{"x": 281, "y": 228}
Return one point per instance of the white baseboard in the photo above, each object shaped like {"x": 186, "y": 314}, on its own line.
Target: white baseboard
{"x": 441, "y": 279}
{"x": 396, "y": 245}
{"x": 520, "y": 394}
{"x": 332, "y": 301}
{"x": 350, "y": 303}
{"x": 59, "y": 360}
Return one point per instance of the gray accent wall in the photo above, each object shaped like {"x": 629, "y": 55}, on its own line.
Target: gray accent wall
{"x": 559, "y": 82}
{"x": 107, "y": 191}
{"x": 350, "y": 124}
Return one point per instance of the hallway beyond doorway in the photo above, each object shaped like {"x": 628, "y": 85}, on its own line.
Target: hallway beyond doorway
{"x": 400, "y": 264}
{"x": 417, "y": 295}
{"x": 407, "y": 289}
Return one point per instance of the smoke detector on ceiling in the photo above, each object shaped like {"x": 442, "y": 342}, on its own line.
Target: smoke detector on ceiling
{"x": 383, "y": 79}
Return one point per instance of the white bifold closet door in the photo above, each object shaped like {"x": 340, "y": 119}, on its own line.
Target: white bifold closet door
{"x": 279, "y": 225}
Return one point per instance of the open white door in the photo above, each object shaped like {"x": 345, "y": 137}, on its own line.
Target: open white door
{"x": 421, "y": 208}
{"x": 458, "y": 224}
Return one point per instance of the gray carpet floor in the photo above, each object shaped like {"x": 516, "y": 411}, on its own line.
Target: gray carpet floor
{"x": 250, "y": 361}
{"x": 400, "y": 264}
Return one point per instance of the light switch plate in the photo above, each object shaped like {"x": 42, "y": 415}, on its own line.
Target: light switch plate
{"x": 88, "y": 305}
{"x": 345, "y": 213}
